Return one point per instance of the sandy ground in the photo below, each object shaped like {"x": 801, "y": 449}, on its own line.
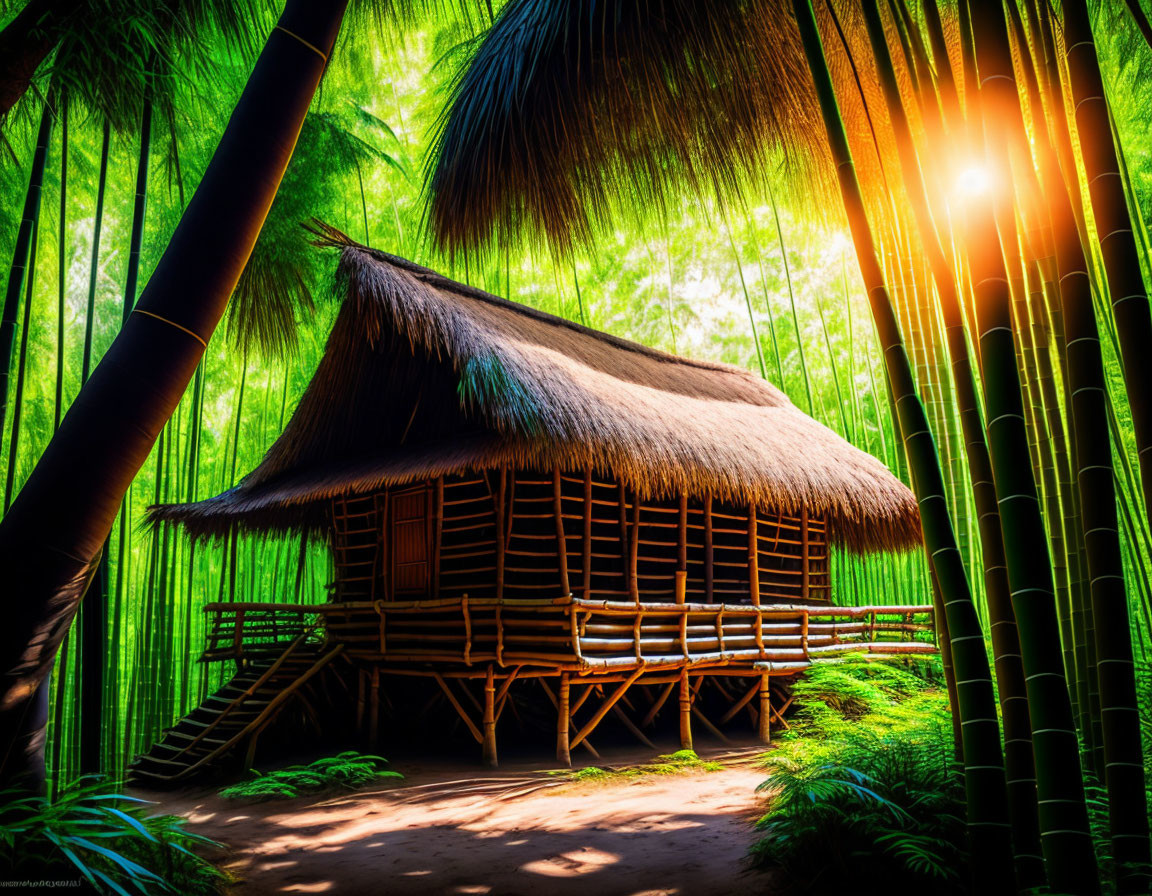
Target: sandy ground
{"x": 454, "y": 830}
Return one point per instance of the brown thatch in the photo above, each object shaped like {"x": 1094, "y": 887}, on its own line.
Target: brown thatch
{"x": 424, "y": 376}
{"x": 565, "y": 105}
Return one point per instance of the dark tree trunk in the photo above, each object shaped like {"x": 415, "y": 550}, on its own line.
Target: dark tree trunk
{"x": 54, "y": 530}
{"x": 27, "y": 41}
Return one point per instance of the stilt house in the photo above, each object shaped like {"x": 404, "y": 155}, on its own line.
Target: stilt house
{"x": 514, "y": 503}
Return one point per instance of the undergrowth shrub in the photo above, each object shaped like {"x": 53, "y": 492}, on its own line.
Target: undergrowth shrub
{"x": 348, "y": 771}
{"x": 106, "y": 838}
{"x": 865, "y": 795}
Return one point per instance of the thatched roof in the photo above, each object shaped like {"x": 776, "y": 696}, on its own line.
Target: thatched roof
{"x": 424, "y": 376}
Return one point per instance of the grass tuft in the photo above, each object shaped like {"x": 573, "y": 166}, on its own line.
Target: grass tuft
{"x": 348, "y": 771}
{"x": 668, "y": 764}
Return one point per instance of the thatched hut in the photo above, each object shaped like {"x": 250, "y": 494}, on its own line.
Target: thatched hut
{"x": 512, "y": 495}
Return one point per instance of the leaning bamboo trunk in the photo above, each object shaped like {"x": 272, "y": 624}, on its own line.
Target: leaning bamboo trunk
{"x": 112, "y": 425}
{"x": 984, "y": 770}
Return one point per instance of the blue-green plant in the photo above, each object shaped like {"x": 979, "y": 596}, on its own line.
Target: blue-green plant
{"x": 108, "y": 838}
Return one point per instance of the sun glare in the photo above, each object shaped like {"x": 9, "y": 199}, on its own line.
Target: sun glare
{"x": 975, "y": 180}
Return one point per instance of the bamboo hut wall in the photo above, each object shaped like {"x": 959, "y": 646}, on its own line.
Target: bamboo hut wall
{"x": 491, "y": 540}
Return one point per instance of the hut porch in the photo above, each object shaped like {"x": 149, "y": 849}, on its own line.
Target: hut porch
{"x": 588, "y": 658}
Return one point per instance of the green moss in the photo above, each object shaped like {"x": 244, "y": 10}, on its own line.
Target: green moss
{"x": 667, "y": 764}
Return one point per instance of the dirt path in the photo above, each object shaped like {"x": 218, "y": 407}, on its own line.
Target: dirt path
{"x": 453, "y": 831}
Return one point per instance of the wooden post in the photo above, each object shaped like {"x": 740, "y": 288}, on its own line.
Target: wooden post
{"x": 804, "y": 573}
{"x": 563, "y": 722}
{"x": 682, "y": 551}
{"x": 709, "y": 553}
{"x": 685, "y": 711}
{"x": 753, "y": 557}
{"x": 587, "y": 554}
{"x": 500, "y": 538}
{"x": 374, "y": 709}
{"x": 634, "y": 549}
{"x": 561, "y": 541}
{"x": 386, "y": 584}
{"x": 437, "y": 534}
{"x": 765, "y": 720}
{"x": 489, "y": 745}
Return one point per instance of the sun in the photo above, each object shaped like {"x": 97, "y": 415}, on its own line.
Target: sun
{"x": 975, "y": 180}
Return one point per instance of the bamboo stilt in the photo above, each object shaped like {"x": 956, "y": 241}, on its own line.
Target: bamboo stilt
{"x": 489, "y": 744}
{"x": 563, "y": 722}
{"x": 685, "y": 711}
{"x": 765, "y": 720}
{"x": 374, "y": 710}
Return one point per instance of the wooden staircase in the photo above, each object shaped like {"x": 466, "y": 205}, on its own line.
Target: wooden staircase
{"x": 233, "y": 717}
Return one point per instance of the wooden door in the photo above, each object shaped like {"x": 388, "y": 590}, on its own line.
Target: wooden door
{"x": 410, "y": 542}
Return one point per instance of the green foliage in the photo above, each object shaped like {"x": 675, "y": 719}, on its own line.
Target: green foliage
{"x": 865, "y": 794}
{"x": 666, "y": 764}
{"x": 348, "y": 771}
{"x": 108, "y": 838}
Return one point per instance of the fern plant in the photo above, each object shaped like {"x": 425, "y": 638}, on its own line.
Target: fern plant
{"x": 108, "y": 838}
{"x": 865, "y": 794}
{"x": 347, "y": 771}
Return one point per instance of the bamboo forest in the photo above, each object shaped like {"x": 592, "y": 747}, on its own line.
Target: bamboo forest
{"x": 576, "y": 447}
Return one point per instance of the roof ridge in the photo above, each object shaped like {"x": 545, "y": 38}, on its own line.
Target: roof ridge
{"x": 439, "y": 281}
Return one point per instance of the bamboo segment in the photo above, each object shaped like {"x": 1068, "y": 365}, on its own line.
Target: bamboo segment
{"x": 489, "y": 742}
{"x": 709, "y": 551}
{"x": 685, "y": 711}
{"x": 374, "y": 710}
{"x": 587, "y": 551}
{"x": 765, "y": 719}
{"x": 561, "y": 543}
{"x": 753, "y": 558}
{"x": 563, "y": 722}
{"x": 804, "y": 555}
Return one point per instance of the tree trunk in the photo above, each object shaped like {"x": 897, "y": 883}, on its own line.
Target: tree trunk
{"x": 57, "y": 524}
{"x": 988, "y": 824}
{"x": 26, "y": 41}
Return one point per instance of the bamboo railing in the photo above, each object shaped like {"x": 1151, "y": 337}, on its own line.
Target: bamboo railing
{"x": 573, "y": 634}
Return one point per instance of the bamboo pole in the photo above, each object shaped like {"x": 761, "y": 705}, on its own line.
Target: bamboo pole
{"x": 804, "y": 558}
{"x": 563, "y": 722}
{"x": 765, "y": 719}
{"x": 561, "y": 542}
{"x": 501, "y": 536}
{"x": 437, "y": 534}
{"x": 586, "y": 558}
{"x": 489, "y": 744}
{"x": 709, "y": 552}
{"x": 685, "y": 711}
{"x": 634, "y": 550}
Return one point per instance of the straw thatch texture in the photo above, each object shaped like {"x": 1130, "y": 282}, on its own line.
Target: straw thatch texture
{"x": 565, "y": 105}
{"x": 424, "y": 376}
